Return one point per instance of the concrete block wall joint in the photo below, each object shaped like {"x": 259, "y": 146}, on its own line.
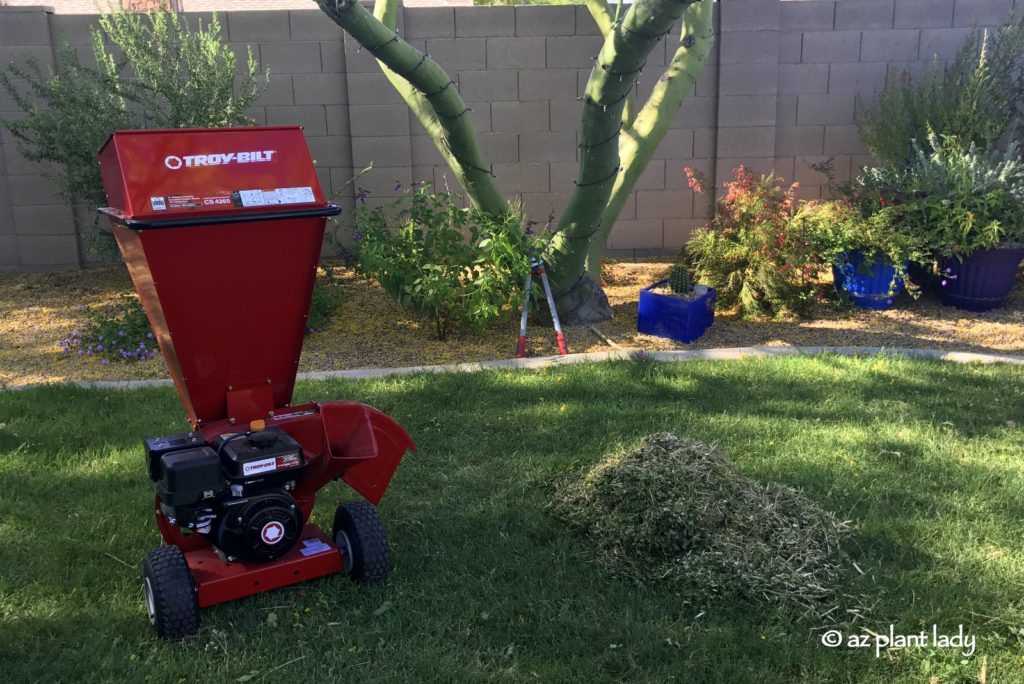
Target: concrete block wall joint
{"x": 777, "y": 90}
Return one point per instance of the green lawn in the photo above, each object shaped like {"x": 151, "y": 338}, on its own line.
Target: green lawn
{"x": 927, "y": 458}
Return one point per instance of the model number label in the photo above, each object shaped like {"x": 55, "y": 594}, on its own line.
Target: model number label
{"x": 262, "y": 466}
{"x": 287, "y": 461}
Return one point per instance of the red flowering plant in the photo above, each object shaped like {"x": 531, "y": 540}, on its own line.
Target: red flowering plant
{"x": 872, "y": 190}
{"x": 754, "y": 252}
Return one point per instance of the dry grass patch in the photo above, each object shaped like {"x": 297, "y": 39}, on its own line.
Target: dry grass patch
{"x": 371, "y": 330}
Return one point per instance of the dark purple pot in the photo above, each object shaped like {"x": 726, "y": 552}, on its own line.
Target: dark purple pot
{"x": 982, "y": 280}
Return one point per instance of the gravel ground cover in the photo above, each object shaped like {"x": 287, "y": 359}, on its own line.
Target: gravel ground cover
{"x": 370, "y": 330}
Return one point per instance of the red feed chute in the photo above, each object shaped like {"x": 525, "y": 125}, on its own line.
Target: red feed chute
{"x": 221, "y": 231}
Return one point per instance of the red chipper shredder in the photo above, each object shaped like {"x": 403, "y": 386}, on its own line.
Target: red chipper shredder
{"x": 221, "y": 231}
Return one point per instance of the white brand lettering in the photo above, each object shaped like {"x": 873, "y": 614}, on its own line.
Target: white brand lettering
{"x": 174, "y": 162}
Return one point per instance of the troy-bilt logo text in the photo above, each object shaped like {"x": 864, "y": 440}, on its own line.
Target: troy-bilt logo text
{"x": 261, "y": 466}
{"x": 174, "y": 162}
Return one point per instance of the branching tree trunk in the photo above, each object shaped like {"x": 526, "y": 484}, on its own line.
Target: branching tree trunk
{"x": 429, "y": 92}
{"x": 617, "y": 139}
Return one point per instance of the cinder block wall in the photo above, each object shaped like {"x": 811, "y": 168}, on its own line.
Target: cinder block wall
{"x": 778, "y": 93}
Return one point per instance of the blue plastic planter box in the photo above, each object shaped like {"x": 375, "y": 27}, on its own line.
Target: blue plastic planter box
{"x": 869, "y": 286}
{"x": 679, "y": 319}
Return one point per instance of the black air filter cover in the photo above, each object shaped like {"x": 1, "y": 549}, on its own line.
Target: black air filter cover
{"x": 190, "y": 476}
{"x": 156, "y": 447}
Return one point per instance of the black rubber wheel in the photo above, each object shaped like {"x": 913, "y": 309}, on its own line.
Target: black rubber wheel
{"x": 170, "y": 593}
{"x": 359, "y": 533}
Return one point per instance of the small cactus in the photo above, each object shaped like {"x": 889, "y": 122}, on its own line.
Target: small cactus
{"x": 679, "y": 279}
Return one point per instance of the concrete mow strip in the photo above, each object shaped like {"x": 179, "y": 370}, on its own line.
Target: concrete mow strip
{"x": 534, "y": 363}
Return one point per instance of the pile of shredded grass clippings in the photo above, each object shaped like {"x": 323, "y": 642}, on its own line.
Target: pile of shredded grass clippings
{"x": 675, "y": 510}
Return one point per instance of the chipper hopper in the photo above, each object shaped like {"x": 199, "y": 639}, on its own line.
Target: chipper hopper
{"x": 221, "y": 232}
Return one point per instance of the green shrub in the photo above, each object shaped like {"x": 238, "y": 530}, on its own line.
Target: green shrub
{"x": 960, "y": 199}
{"x": 753, "y": 252}
{"x": 325, "y": 301}
{"x": 166, "y": 75}
{"x": 977, "y": 98}
{"x": 457, "y": 265}
{"x": 838, "y": 227}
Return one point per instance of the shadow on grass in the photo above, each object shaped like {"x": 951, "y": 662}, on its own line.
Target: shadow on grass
{"x": 487, "y": 585}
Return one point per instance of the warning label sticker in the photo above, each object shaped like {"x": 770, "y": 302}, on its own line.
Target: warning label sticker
{"x": 263, "y": 198}
{"x": 314, "y": 546}
{"x": 183, "y": 201}
{"x": 235, "y": 198}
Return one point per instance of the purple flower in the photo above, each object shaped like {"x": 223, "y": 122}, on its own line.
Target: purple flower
{"x": 944, "y": 282}
{"x": 89, "y": 352}
{"x": 80, "y": 352}
{"x": 100, "y": 338}
{"x": 120, "y": 333}
{"x": 149, "y": 335}
{"x": 357, "y": 236}
{"x": 103, "y": 362}
{"x": 99, "y": 348}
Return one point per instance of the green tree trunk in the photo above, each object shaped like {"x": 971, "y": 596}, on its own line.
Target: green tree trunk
{"x": 642, "y": 135}
{"x": 617, "y": 140}
{"x": 429, "y": 92}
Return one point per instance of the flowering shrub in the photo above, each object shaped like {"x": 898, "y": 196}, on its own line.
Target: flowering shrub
{"x": 963, "y": 198}
{"x": 978, "y": 97}
{"x": 152, "y": 70}
{"x": 457, "y": 265}
{"x": 839, "y": 229}
{"x": 754, "y": 252}
{"x": 951, "y": 199}
{"x": 119, "y": 332}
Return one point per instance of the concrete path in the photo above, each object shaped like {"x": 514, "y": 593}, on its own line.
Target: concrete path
{"x": 725, "y": 354}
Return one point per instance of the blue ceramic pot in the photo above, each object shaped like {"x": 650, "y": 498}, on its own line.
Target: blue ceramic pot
{"x": 868, "y": 282}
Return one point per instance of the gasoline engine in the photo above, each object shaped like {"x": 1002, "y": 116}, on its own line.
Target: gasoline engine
{"x": 235, "y": 490}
